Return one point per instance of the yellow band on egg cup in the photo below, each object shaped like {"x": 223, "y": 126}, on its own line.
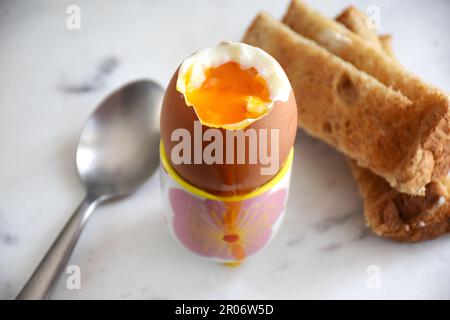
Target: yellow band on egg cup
{"x": 201, "y": 193}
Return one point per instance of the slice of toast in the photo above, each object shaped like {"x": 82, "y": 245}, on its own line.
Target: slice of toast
{"x": 387, "y": 212}
{"x": 354, "y": 112}
{"x": 429, "y": 157}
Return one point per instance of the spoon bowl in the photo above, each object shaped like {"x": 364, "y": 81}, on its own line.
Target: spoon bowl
{"x": 116, "y": 153}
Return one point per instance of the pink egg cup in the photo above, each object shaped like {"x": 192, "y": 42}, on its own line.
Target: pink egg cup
{"x": 223, "y": 229}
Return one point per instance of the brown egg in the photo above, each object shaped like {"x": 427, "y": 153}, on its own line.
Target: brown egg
{"x": 227, "y": 178}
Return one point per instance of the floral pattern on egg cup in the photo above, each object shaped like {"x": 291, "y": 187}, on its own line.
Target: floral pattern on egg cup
{"x": 228, "y": 231}
{"x": 223, "y": 229}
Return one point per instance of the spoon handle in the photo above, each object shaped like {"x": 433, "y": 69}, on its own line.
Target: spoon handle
{"x": 46, "y": 275}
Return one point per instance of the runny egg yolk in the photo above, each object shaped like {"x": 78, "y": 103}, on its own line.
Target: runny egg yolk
{"x": 228, "y": 95}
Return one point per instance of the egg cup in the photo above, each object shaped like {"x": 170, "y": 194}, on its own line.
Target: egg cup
{"x": 223, "y": 229}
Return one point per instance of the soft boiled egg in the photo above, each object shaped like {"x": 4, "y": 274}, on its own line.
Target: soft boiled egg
{"x": 217, "y": 95}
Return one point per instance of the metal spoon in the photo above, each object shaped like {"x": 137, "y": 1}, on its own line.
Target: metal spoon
{"x": 116, "y": 153}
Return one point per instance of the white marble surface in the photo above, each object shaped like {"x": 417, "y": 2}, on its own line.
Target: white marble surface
{"x": 51, "y": 79}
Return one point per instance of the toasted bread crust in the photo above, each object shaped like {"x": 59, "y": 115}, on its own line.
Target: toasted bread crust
{"x": 422, "y": 161}
{"x": 403, "y": 217}
{"x": 356, "y": 21}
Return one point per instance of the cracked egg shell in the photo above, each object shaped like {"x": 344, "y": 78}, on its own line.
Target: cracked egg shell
{"x": 226, "y": 179}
